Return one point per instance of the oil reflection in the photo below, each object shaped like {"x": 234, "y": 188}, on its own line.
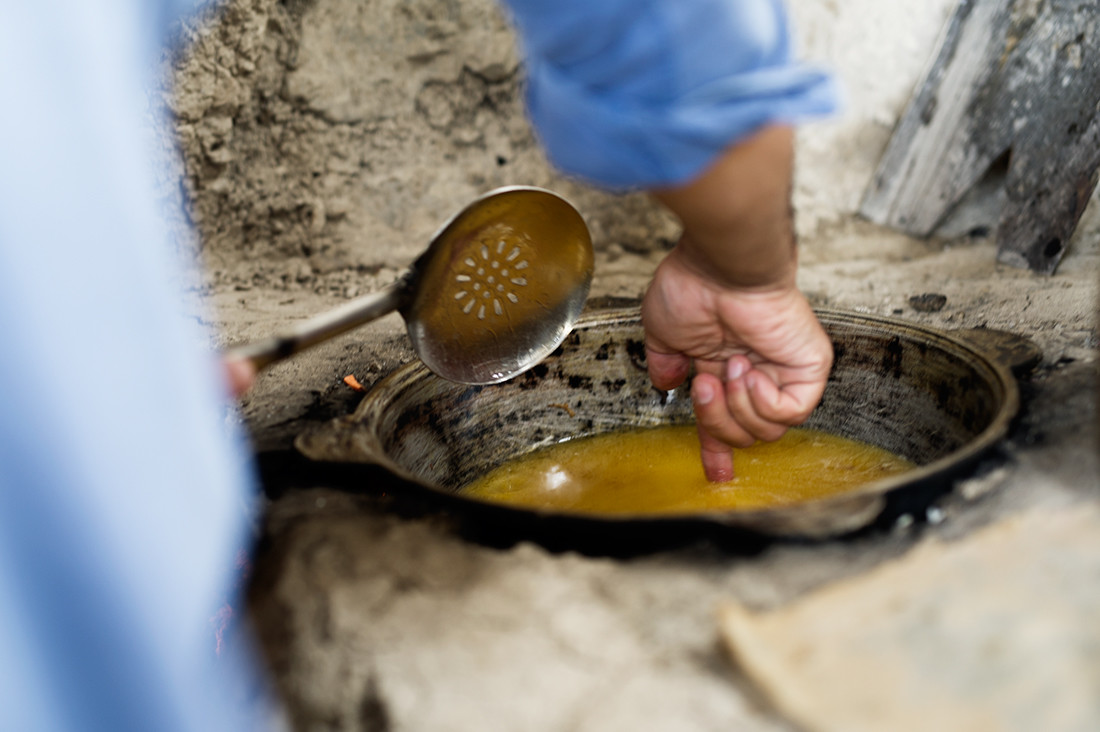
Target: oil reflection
{"x": 555, "y": 478}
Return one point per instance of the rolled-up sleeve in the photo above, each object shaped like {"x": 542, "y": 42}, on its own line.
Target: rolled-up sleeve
{"x": 647, "y": 93}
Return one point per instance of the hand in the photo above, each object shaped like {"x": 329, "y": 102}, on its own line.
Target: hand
{"x": 240, "y": 374}
{"x": 760, "y": 355}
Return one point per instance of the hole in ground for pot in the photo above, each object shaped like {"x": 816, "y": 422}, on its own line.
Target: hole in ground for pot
{"x": 931, "y": 398}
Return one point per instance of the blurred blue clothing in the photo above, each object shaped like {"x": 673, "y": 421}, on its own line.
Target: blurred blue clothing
{"x": 648, "y": 93}
{"x": 121, "y": 493}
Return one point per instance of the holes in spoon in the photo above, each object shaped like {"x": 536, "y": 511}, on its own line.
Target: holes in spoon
{"x": 490, "y": 278}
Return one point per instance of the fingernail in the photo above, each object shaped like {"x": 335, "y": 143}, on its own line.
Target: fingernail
{"x": 734, "y": 369}
{"x": 703, "y": 393}
{"x": 750, "y": 381}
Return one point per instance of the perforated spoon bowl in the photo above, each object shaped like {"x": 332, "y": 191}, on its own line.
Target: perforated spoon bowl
{"x": 498, "y": 288}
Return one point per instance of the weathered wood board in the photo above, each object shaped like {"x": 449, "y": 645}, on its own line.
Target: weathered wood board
{"x": 1011, "y": 77}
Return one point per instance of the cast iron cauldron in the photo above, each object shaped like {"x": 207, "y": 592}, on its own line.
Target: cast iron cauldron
{"x": 940, "y": 399}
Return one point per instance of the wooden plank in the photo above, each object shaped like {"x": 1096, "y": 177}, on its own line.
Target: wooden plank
{"x": 1010, "y": 76}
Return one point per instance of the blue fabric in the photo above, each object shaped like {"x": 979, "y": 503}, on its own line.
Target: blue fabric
{"x": 122, "y": 495}
{"x": 647, "y": 93}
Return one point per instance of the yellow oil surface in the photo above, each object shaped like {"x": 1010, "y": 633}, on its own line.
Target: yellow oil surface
{"x": 658, "y": 471}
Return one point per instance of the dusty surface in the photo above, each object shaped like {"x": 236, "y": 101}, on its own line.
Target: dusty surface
{"x": 373, "y": 610}
{"x": 991, "y": 636}
{"x": 324, "y": 142}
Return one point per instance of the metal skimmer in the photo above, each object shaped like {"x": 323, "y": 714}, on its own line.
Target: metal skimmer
{"x": 498, "y": 289}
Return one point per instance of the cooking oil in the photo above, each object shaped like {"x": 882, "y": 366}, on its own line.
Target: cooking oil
{"x": 657, "y": 470}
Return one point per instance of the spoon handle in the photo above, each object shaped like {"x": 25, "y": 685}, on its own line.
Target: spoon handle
{"x": 357, "y": 312}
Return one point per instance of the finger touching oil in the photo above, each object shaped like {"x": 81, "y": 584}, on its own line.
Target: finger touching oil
{"x": 657, "y": 470}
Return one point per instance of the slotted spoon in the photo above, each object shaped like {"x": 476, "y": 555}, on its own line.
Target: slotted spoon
{"x": 498, "y": 288}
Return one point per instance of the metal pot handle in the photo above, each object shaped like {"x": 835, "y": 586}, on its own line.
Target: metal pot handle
{"x": 1016, "y": 352}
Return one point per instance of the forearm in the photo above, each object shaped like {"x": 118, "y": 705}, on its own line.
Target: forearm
{"x": 736, "y": 216}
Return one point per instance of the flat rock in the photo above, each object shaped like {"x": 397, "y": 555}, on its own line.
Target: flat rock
{"x": 994, "y": 632}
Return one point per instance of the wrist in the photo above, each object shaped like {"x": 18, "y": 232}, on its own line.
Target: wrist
{"x": 737, "y": 224}
{"x": 728, "y": 271}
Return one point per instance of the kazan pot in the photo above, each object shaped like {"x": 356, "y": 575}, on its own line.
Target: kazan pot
{"x": 939, "y": 399}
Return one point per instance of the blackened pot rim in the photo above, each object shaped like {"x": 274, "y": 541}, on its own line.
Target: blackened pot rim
{"x": 819, "y": 518}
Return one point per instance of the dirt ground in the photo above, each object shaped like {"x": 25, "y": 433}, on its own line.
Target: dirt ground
{"x": 323, "y": 143}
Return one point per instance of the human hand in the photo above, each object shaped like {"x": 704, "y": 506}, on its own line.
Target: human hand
{"x": 240, "y": 374}
{"x": 761, "y": 357}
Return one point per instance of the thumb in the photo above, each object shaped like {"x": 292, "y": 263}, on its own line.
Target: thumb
{"x": 666, "y": 370}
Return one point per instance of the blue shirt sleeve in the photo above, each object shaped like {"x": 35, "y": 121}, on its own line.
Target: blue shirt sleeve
{"x": 645, "y": 93}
